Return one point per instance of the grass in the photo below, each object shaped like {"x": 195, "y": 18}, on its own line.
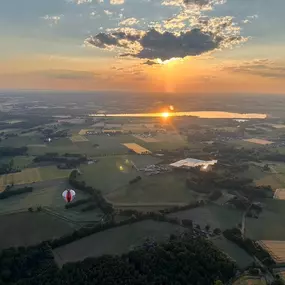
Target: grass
{"x": 250, "y": 280}
{"x": 108, "y": 173}
{"x": 21, "y": 141}
{"x": 46, "y": 194}
{"x": 52, "y": 172}
{"x": 162, "y": 188}
{"x": 270, "y": 225}
{"x": 216, "y": 216}
{"x": 24, "y": 229}
{"x": 126, "y": 237}
{"x": 30, "y": 175}
{"x": 240, "y": 256}
{"x": 22, "y": 161}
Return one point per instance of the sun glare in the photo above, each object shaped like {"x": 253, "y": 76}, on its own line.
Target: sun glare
{"x": 160, "y": 61}
{"x": 165, "y": 115}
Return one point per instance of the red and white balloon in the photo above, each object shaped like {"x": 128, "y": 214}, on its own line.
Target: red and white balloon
{"x": 68, "y": 195}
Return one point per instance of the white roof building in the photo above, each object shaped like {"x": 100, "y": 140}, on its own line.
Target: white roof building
{"x": 192, "y": 162}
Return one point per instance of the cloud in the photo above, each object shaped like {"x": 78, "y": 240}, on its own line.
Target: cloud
{"x": 150, "y": 62}
{"x": 108, "y": 13}
{"x": 117, "y": 2}
{"x": 164, "y": 45}
{"x": 129, "y": 22}
{"x": 53, "y": 20}
{"x": 259, "y": 67}
{"x": 196, "y": 2}
{"x": 79, "y": 2}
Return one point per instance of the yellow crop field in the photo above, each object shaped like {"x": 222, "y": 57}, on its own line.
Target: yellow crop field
{"x": 83, "y": 132}
{"x": 279, "y": 194}
{"x": 26, "y": 176}
{"x": 258, "y": 141}
{"x": 275, "y": 248}
{"x": 136, "y": 148}
{"x": 78, "y": 138}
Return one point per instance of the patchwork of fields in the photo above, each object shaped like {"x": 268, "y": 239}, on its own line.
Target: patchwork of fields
{"x": 31, "y": 175}
{"x": 126, "y": 238}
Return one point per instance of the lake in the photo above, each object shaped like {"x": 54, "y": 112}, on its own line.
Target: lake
{"x": 199, "y": 114}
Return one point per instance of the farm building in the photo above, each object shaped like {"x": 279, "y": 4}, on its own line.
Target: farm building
{"x": 192, "y": 162}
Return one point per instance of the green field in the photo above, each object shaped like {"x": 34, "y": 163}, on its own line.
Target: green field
{"x": 22, "y": 161}
{"x": 24, "y": 229}
{"x": 31, "y": 175}
{"x": 47, "y": 194}
{"x": 162, "y": 188}
{"x": 216, "y": 216}
{"x": 108, "y": 173}
{"x": 115, "y": 241}
{"x": 21, "y": 141}
{"x": 240, "y": 256}
{"x": 270, "y": 225}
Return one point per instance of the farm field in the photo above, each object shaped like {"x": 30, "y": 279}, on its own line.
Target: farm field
{"x": 21, "y": 141}
{"x": 240, "y": 256}
{"x": 270, "y": 225}
{"x": 115, "y": 241}
{"x": 162, "y": 188}
{"x": 136, "y": 148}
{"x": 30, "y": 175}
{"x": 78, "y": 138}
{"x": 24, "y": 229}
{"x": 47, "y": 193}
{"x": 259, "y": 141}
{"x": 216, "y": 216}
{"x": 108, "y": 173}
{"x": 275, "y": 248}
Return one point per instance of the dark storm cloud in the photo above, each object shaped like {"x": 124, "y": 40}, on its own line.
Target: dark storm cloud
{"x": 167, "y": 45}
{"x": 154, "y": 44}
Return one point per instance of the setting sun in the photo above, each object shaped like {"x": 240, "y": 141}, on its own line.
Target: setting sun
{"x": 165, "y": 115}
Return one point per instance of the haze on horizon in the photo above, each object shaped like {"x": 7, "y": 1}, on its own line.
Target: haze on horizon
{"x": 188, "y": 46}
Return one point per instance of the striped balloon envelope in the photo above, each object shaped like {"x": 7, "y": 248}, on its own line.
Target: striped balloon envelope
{"x": 68, "y": 195}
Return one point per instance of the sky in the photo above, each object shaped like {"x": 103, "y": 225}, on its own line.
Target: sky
{"x": 187, "y": 46}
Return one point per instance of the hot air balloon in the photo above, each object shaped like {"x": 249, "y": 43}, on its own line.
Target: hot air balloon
{"x": 68, "y": 195}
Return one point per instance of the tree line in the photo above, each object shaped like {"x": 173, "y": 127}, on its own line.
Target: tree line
{"x": 13, "y": 151}
{"x": 248, "y": 245}
{"x": 180, "y": 260}
{"x": 96, "y": 195}
{"x": 8, "y": 193}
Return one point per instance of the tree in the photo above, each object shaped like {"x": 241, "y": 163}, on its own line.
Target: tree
{"x": 217, "y": 231}
{"x": 207, "y": 228}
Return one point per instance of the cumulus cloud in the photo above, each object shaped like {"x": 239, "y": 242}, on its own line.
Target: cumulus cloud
{"x": 117, "y": 2}
{"x": 129, "y": 22}
{"x": 154, "y": 44}
{"x": 260, "y": 67}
